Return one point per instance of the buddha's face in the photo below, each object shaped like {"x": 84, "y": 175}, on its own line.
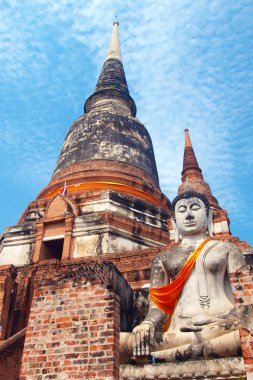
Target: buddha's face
{"x": 190, "y": 215}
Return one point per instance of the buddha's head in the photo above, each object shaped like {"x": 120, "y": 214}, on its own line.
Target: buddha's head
{"x": 191, "y": 215}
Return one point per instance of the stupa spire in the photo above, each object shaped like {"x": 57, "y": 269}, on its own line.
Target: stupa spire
{"x": 190, "y": 162}
{"x": 192, "y": 177}
{"x": 113, "y": 51}
{"x": 111, "y": 91}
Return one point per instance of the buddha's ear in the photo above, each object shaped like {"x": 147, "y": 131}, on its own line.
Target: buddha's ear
{"x": 210, "y": 223}
{"x": 176, "y": 233}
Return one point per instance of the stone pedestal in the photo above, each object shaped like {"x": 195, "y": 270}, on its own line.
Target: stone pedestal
{"x": 216, "y": 369}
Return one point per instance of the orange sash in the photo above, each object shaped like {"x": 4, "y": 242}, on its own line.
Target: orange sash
{"x": 166, "y": 297}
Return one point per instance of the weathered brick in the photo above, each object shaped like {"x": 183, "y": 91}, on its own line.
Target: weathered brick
{"x": 60, "y": 335}
{"x": 243, "y": 295}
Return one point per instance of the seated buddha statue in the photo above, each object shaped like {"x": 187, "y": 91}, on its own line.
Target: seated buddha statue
{"x": 191, "y": 308}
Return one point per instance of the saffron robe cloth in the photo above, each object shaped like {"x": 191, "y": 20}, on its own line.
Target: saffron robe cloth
{"x": 166, "y": 297}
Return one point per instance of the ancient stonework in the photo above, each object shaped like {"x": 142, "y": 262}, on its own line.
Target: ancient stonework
{"x": 75, "y": 271}
{"x": 75, "y": 319}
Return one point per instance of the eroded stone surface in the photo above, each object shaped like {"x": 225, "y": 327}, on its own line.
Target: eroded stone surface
{"x": 218, "y": 366}
{"x": 108, "y": 136}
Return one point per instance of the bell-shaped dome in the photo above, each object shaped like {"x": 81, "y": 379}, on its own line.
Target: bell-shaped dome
{"x": 108, "y": 136}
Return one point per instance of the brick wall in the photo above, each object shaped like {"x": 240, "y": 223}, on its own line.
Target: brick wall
{"x": 74, "y": 324}
{"x": 10, "y": 360}
{"x": 8, "y": 291}
{"x": 242, "y": 284}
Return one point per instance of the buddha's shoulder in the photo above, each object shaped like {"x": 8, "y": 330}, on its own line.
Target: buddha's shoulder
{"x": 174, "y": 251}
{"x": 225, "y": 246}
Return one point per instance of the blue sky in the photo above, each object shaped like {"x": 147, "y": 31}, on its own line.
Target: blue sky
{"x": 188, "y": 65}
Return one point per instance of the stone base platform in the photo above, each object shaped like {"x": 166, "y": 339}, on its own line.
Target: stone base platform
{"x": 215, "y": 369}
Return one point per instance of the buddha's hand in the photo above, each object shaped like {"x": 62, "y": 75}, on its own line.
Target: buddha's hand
{"x": 143, "y": 336}
{"x": 226, "y": 322}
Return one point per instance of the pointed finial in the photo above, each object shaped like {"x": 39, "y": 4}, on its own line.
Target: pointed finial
{"x": 187, "y": 138}
{"x": 112, "y": 82}
{"x": 116, "y": 21}
{"x": 190, "y": 160}
{"x": 192, "y": 178}
{"x": 113, "y": 51}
